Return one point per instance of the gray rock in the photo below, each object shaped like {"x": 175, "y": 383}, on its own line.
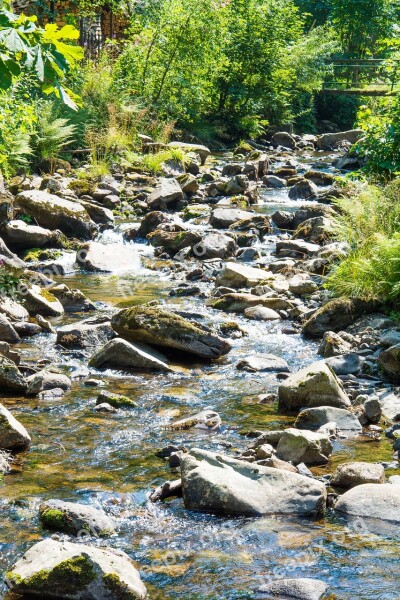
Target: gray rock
{"x": 168, "y": 192}
{"x": 328, "y": 141}
{"x": 8, "y": 258}
{"x": 333, "y": 345}
{"x": 12, "y": 310}
{"x": 314, "y": 418}
{"x": 221, "y": 484}
{"x": 205, "y": 419}
{"x": 336, "y": 315}
{"x": 46, "y": 380}
{"x": 275, "y": 182}
{"x": 315, "y": 385}
{"x": 11, "y": 379}
{"x": 89, "y": 333}
{"x": 371, "y": 501}
{"x": 263, "y": 362}
{"x": 53, "y": 212}
{"x": 389, "y": 362}
{"x": 261, "y": 313}
{"x": 391, "y": 338}
{"x": 215, "y": 245}
{"x": 7, "y": 331}
{"x": 19, "y": 235}
{"x": 108, "y": 258}
{"x": 72, "y": 300}
{"x": 44, "y": 325}
{"x": 155, "y": 326}
{"x": 98, "y": 213}
{"x": 390, "y": 404}
{"x": 13, "y": 434}
{"x": 300, "y": 589}
{"x": 346, "y": 364}
{"x": 237, "y": 275}
{"x": 39, "y": 300}
{"x": 303, "y": 446}
{"x": 348, "y": 475}
{"x": 282, "y": 138}
{"x": 296, "y": 248}
{"x": 120, "y": 354}
{"x": 74, "y": 518}
{"x": 223, "y": 218}
{"x": 199, "y": 149}
{"x": 75, "y": 572}
{"x": 303, "y": 190}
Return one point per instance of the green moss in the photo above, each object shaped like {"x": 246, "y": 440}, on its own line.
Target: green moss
{"x": 119, "y": 401}
{"x": 47, "y": 295}
{"x": 68, "y": 577}
{"x": 119, "y": 589}
{"x": 36, "y": 254}
{"x": 82, "y": 187}
{"x": 52, "y": 518}
{"x": 13, "y": 578}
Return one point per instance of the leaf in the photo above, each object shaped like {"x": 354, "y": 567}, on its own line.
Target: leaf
{"x": 12, "y": 40}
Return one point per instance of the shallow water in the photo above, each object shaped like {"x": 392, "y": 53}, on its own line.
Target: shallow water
{"x": 108, "y": 461}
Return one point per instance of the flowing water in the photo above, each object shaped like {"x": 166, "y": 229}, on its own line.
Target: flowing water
{"x": 108, "y": 461}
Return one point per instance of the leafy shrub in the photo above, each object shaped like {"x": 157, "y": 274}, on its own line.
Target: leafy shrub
{"x": 51, "y": 136}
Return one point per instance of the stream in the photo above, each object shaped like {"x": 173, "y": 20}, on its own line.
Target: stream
{"x": 108, "y": 460}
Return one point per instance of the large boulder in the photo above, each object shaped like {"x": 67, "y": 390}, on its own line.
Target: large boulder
{"x": 13, "y": 434}
{"x": 315, "y": 385}
{"x": 89, "y": 333}
{"x": 152, "y": 221}
{"x": 297, "y": 446}
{"x": 108, "y": 258}
{"x": 264, "y": 363}
{"x": 303, "y": 190}
{"x": 12, "y": 310}
{"x": 19, "y": 235}
{"x": 299, "y": 589}
{"x": 223, "y": 218}
{"x": 11, "y": 379}
{"x": 346, "y": 364}
{"x": 74, "y": 518}
{"x": 47, "y": 380}
{"x": 7, "y": 331}
{"x": 237, "y": 275}
{"x": 167, "y": 193}
{"x": 348, "y": 475}
{"x": 390, "y": 405}
{"x": 314, "y": 418}
{"x": 336, "y": 315}
{"x": 371, "y": 501}
{"x": 64, "y": 570}
{"x": 120, "y": 354}
{"x": 173, "y": 241}
{"x": 296, "y": 249}
{"x": 282, "y": 138}
{"x": 389, "y": 362}
{"x": 215, "y": 245}
{"x": 328, "y": 141}
{"x": 72, "y": 300}
{"x": 221, "y": 484}
{"x": 52, "y": 212}
{"x": 155, "y": 326}
{"x": 8, "y": 258}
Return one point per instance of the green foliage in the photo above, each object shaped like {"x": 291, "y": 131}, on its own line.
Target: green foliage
{"x": 51, "y": 136}
{"x": 17, "y": 121}
{"x": 9, "y": 281}
{"x": 47, "y": 52}
{"x": 381, "y": 145}
{"x": 369, "y": 221}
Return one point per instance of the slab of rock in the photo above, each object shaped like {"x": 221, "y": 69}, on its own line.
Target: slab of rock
{"x": 275, "y": 182}
{"x": 120, "y": 354}
{"x": 155, "y": 326}
{"x": 328, "y": 141}
{"x": 13, "y": 434}
{"x": 39, "y": 300}
{"x": 19, "y": 235}
{"x": 221, "y": 484}
{"x": 282, "y": 138}
{"x": 348, "y": 475}
{"x": 199, "y": 149}
{"x": 72, "y": 300}
{"x": 74, "y": 518}
{"x": 89, "y": 333}
{"x": 263, "y": 362}
{"x": 71, "y": 571}
{"x": 174, "y": 241}
{"x": 7, "y": 331}
{"x": 223, "y": 218}
{"x": 303, "y": 446}
{"x": 108, "y": 258}
{"x": 390, "y": 405}
{"x": 52, "y": 212}
{"x": 315, "y": 385}
{"x": 336, "y": 315}
{"x": 371, "y": 501}
{"x": 261, "y": 313}
{"x": 301, "y": 589}
{"x": 238, "y": 275}
{"x": 98, "y": 213}
{"x": 13, "y": 310}
{"x": 303, "y": 190}
{"x": 296, "y": 248}
{"x": 11, "y": 379}
{"x": 205, "y": 419}
{"x": 239, "y": 302}
{"x": 167, "y": 192}
{"x": 314, "y": 418}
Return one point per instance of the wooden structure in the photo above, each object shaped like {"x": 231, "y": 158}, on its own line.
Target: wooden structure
{"x": 363, "y": 76}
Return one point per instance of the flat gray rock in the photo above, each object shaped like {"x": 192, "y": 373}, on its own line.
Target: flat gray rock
{"x": 13, "y": 434}
{"x": 263, "y": 362}
{"x": 301, "y": 589}
{"x": 314, "y": 418}
{"x": 74, "y": 518}
{"x": 371, "y": 501}
{"x": 119, "y": 354}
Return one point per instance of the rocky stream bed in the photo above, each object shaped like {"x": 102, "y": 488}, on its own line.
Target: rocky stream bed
{"x": 177, "y": 330}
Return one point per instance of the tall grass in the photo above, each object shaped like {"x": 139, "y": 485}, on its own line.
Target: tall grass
{"x": 369, "y": 222}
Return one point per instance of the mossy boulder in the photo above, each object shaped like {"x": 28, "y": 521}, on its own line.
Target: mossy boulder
{"x": 336, "y": 315}
{"x": 116, "y": 400}
{"x": 74, "y": 518}
{"x": 315, "y": 385}
{"x": 308, "y": 447}
{"x": 173, "y": 241}
{"x": 64, "y": 570}
{"x": 40, "y": 300}
{"x": 11, "y": 379}
{"x": 155, "y": 326}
